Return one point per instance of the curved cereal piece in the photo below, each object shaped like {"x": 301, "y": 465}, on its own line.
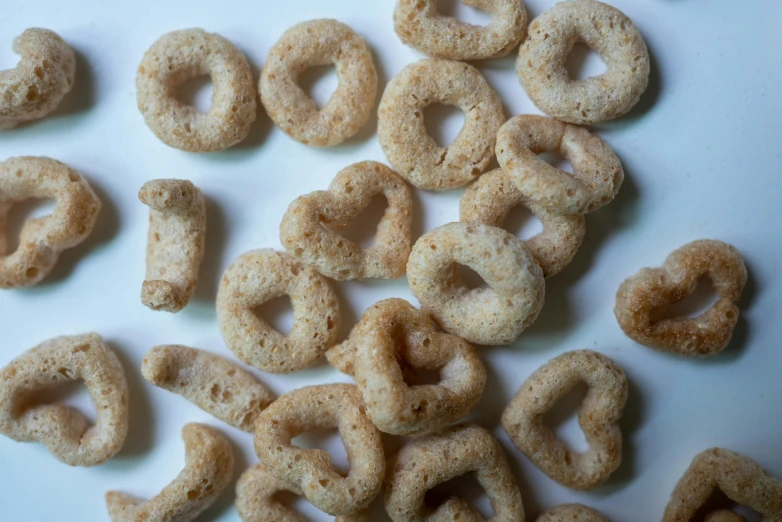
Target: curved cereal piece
{"x": 738, "y": 477}
{"x": 402, "y": 134}
{"x": 597, "y": 172}
{"x": 212, "y": 383}
{"x": 325, "y": 406}
{"x": 259, "y": 276}
{"x": 598, "y": 418}
{"x": 571, "y": 513}
{"x": 174, "y": 59}
{"x": 209, "y": 464}
{"x": 426, "y": 462}
{"x": 417, "y": 24}
{"x": 495, "y": 315}
{"x": 308, "y": 44}
{"x": 44, "y": 75}
{"x": 641, "y": 297}
{"x": 43, "y": 239}
{"x": 494, "y": 194}
{"x": 64, "y": 431}
{"x": 176, "y": 242}
{"x": 550, "y": 38}
{"x": 303, "y": 234}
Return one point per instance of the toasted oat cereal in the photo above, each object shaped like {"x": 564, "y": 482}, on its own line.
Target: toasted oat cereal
{"x": 309, "y": 44}
{"x": 209, "y": 465}
{"x": 571, "y": 513}
{"x": 44, "y": 75}
{"x": 212, "y": 383}
{"x": 411, "y": 151}
{"x": 306, "y": 228}
{"x": 642, "y": 297}
{"x": 65, "y": 432}
{"x": 259, "y": 276}
{"x": 598, "y": 418}
{"x": 180, "y": 56}
{"x": 324, "y": 406}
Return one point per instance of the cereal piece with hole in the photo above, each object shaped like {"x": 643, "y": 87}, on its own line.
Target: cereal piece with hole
{"x": 571, "y": 513}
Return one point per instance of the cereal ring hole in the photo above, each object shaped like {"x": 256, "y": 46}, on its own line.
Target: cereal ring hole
{"x": 319, "y": 82}
{"x": 584, "y": 62}
{"x": 278, "y": 313}
{"x": 718, "y": 501}
{"x": 462, "y": 12}
{"x": 16, "y": 217}
{"x": 562, "y": 418}
{"x": 469, "y": 278}
{"x": 64, "y": 391}
{"x": 196, "y": 92}
{"x": 296, "y": 503}
{"x": 690, "y": 306}
{"x": 443, "y": 123}
{"x": 465, "y": 487}
{"x": 328, "y": 440}
{"x": 522, "y": 223}
{"x": 557, "y": 160}
{"x": 362, "y": 229}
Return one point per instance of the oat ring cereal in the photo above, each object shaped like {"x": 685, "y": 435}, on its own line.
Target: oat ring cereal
{"x": 428, "y": 461}
{"x": 418, "y": 24}
{"x": 597, "y": 172}
{"x": 571, "y": 513}
{"x": 65, "y": 432}
{"x": 309, "y": 44}
{"x": 494, "y": 315}
{"x": 598, "y": 417}
{"x": 259, "y": 276}
{"x": 494, "y": 194}
{"x": 180, "y": 56}
{"x": 42, "y": 239}
{"x": 411, "y": 150}
{"x": 642, "y": 297}
{"x": 319, "y": 407}
{"x": 550, "y": 39}
{"x": 304, "y": 232}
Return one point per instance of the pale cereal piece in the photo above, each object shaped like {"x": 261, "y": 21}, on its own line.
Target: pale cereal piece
{"x": 741, "y": 479}
{"x": 571, "y": 513}
{"x": 598, "y": 417}
{"x": 175, "y": 244}
{"x": 309, "y": 44}
{"x": 418, "y": 24}
{"x": 428, "y": 461}
{"x": 306, "y": 228}
{"x": 318, "y": 407}
{"x": 212, "y": 383}
{"x": 494, "y": 194}
{"x": 723, "y": 515}
{"x": 402, "y": 134}
{"x": 550, "y": 38}
{"x": 68, "y": 436}
{"x": 597, "y": 172}
{"x": 209, "y": 465}
{"x": 42, "y": 239}
{"x": 642, "y": 297}
{"x": 180, "y": 56}
{"x": 494, "y": 315}
{"x": 259, "y": 276}
{"x": 44, "y": 75}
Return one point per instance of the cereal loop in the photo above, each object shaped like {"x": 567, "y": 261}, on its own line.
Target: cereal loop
{"x": 600, "y": 412}
{"x": 306, "y": 228}
{"x": 494, "y": 315}
{"x": 259, "y": 276}
{"x": 180, "y": 56}
{"x": 411, "y": 150}
{"x": 310, "y": 44}
{"x": 642, "y": 297}
{"x": 571, "y": 513}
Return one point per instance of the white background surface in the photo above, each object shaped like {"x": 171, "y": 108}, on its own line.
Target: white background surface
{"x": 701, "y": 153}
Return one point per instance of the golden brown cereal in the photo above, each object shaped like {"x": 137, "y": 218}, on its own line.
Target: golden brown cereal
{"x": 64, "y": 431}
{"x": 571, "y": 513}
{"x": 597, "y": 172}
{"x": 412, "y": 152}
{"x": 212, "y": 383}
{"x": 44, "y": 75}
{"x": 418, "y": 24}
{"x": 550, "y": 38}
{"x": 42, "y": 239}
{"x": 259, "y": 276}
{"x": 306, "y": 232}
{"x": 598, "y": 418}
{"x": 426, "y": 462}
{"x": 494, "y": 315}
{"x": 642, "y": 297}
{"x": 309, "y": 44}
{"x": 175, "y": 247}
{"x": 738, "y": 477}
{"x": 494, "y": 194}
{"x": 174, "y": 59}
{"x": 209, "y": 464}
{"x": 325, "y": 406}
